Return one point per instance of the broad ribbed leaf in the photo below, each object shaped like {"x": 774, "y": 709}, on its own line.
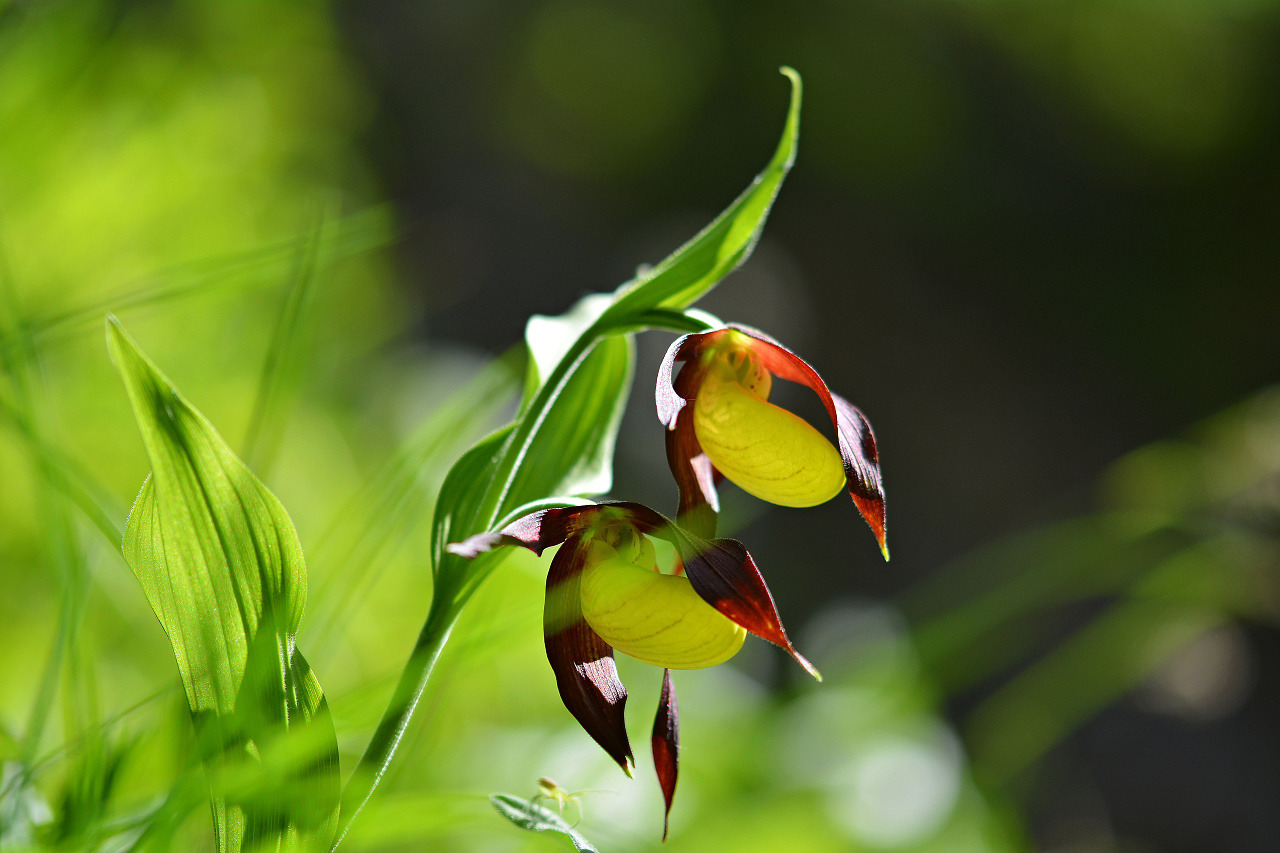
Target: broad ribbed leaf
{"x": 221, "y": 565}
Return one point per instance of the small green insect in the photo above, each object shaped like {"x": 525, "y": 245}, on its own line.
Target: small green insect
{"x": 549, "y": 790}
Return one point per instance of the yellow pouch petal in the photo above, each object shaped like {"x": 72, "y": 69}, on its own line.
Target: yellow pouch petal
{"x": 767, "y": 451}
{"x": 657, "y": 619}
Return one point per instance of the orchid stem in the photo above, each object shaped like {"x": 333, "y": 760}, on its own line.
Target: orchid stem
{"x": 395, "y": 720}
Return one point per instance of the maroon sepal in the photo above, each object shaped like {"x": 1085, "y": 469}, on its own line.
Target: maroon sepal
{"x": 695, "y": 475}
{"x": 857, "y": 441}
{"x": 666, "y": 745}
{"x": 668, "y": 400}
{"x": 583, "y": 663}
{"x": 861, "y": 466}
{"x": 671, "y": 396}
{"x": 722, "y": 572}
{"x": 693, "y": 472}
{"x": 536, "y": 531}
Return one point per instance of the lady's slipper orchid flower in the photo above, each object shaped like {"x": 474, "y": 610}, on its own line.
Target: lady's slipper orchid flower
{"x": 720, "y": 423}
{"x": 605, "y": 592}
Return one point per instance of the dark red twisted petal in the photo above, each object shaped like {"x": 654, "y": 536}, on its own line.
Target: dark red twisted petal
{"x": 694, "y": 475}
{"x": 857, "y": 441}
{"x": 668, "y": 400}
{"x": 536, "y": 531}
{"x": 670, "y": 396}
{"x": 583, "y": 663}
{"x": 666, "y": 745}
{"x": 724, "y": 575}
{"x": 861, "y": 465}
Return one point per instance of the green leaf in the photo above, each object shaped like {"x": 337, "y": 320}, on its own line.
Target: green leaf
{"x": 463, "y": 490}
{"x": 383, "y": 513}
{"x": 24, "y": 812}
{"x": 550, "y": 338}
{"x": 700, "y": 264}
{"x": 569, "y": 449}
{"x": 221, "y": 565}
{"x": 561, "y": 444}
{"x": 528, "y": 815}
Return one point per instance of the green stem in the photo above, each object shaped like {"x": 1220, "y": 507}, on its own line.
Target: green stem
{"x": 446, "y": 607}
{"x": 395, "y": 720}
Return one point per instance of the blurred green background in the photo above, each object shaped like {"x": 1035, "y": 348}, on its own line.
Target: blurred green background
{"x": 1035, "y": 241}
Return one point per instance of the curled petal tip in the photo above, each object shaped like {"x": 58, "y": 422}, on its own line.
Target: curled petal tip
{"x": 475, "y": 545}
{"x": 872, "y": 511}
{"x": 808, "y": 667}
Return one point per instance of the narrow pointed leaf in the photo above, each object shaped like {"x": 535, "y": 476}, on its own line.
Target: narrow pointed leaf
{"x": 569, "y": 448}
{"x": 701, "y": 263}
{"x": 463, "y": 491}
{"x": 666, "y": 745}
{"x": 562, "y": 444}
{"x": 221, "y": 565}
{"x": 550, "y": 338}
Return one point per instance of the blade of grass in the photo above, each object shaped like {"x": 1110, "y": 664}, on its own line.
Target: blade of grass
{"x": 103, "y": 725}
{"x": 402, "y": 492}
{"x": 963, "y": 615}
{"x": 70, "y": 478}
{"x": 1027, "y": 717}
{"x": 266, "y": 265}
{"x": 59, "y": 540}
{"x": 281, "y": 366}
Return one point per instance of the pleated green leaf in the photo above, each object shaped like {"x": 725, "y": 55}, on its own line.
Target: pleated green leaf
{"x": 221, "y": 565}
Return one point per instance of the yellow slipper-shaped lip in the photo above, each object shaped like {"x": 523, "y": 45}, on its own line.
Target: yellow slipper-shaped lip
{"x": 655, "y": 618}
{"x": 767, "y": 451}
